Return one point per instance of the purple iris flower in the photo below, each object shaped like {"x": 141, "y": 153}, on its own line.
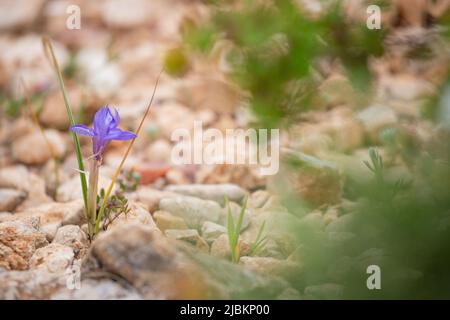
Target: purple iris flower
{"x": 105, "y": 129}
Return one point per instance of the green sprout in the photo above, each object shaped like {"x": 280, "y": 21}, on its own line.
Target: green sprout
{"x": 234, "y": 230}
{"x": 376, "y": 164}
{"x": 260, "y": 241}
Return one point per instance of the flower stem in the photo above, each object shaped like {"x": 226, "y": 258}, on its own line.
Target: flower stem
{"x": 92, "y": 197}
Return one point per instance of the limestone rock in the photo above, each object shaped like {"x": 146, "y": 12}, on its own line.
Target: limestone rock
{"x": 215, "y": 192}
{"x": 18, "y": 242}
{"x": 193, "y": 210}
{"x": 10, "y": 199}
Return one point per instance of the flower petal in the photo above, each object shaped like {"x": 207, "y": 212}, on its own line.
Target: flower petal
{"x": 117, "y": 134}
{"x": 83, "y": 130}
{"x": 102, "y": 121}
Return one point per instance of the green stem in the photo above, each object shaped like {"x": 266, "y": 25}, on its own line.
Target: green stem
{"x": 92, "y": 197}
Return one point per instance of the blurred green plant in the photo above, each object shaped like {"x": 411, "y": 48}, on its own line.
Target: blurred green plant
{"x": 234, "y": 229}
{"x": 276, "y": 51}
{"x": 260, "y": 241}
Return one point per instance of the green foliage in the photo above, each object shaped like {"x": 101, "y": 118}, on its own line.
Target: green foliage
{"x": 260, "y": 241}
{"x": 234, "y": 230}
{"x": 117, "y": 204}
{"x": 376, "y": 165}
{"x": 129, "y": 181}
{"x": 277, "y": 49}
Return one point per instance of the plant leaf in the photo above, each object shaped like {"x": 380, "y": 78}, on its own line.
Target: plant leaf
{"x": 48, "y": 45}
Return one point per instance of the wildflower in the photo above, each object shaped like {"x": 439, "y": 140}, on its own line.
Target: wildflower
{"x": 105, "y": 129}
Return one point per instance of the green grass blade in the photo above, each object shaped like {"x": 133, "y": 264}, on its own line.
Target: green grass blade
{"x": 259, "y": 240}
{"x": 241, "y": 216}
{"x": 48, "y": 45}
{"x": 230, "y": 222}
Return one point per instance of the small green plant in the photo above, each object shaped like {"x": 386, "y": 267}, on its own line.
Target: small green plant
{"x": 116, "y": 206}
{"x": 260, "y": 241}
{"x": 234, "y": 230}
{"x": 384, "y": 189}
{"x": 129, "y": 180}
{"x": 376, "y": 164}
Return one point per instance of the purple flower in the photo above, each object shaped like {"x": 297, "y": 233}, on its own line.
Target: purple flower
{"x": 105, "y": 130}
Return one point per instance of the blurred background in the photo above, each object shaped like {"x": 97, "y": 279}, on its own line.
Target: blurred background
{"x": 363, "y": 113}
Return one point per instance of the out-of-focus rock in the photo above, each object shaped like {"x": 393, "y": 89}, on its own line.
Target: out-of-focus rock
{"x": 10, "y": 199}
{"x": 19, "y": 14}
{"x": 151, "y": 197}
{"x": 36, "y": 193}
{"x": 103, "y": 76}
{"x": 174, "y": 116}
{"x": 159, "y": 151}
{"x": 177, "y": 176}
{"x": 102, "y": 289}
{"x": 71, "y": 189}
{"x": 245, "y": 176}
{"x": 189, "y": 235}
{"x": 165, "y": 220}
{"x": 318, "y": 184}
{"x": 376, "y": 118}
{"x": 126, "y": 14}
{"x": 211, "y": 231}
{"x": 193, "y": 210}
{"x": 270, "y": 266}
{"x": 258, "y": 198}
{"x": 54, "y": 113}
{"x": 40, "y": 152}
{"x": 23, "y": 58}
{"x": 15, "y": 177}
{"x": 215, "y": 192}
{"x": 210, "y": 93}
{"x": 150, "y": 173}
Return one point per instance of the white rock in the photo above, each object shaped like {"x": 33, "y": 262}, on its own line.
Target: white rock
{"x": 71, "y": 236}
{"x": 16, "y": 14}
{"x": 215, "y": 192}
{"x": 15, "y": 177}
{"x": 10, "y": 199}
{"x": 375, "y": 118}
{"x": 165, "y": 220}
{"x": 102, "y": 289}
{"x": 193, "y": 210}
{"x": 71, "y": 189}
{"x": 40, "y": 152}
{"x": 54, "y": 258}
{"x": 211, "y": 231}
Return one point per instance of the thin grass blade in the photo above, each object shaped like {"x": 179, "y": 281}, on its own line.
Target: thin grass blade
{"x": 48, "y": 46}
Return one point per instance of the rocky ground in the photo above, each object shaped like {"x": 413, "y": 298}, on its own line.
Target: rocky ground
{"x": 173, "y": 243}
